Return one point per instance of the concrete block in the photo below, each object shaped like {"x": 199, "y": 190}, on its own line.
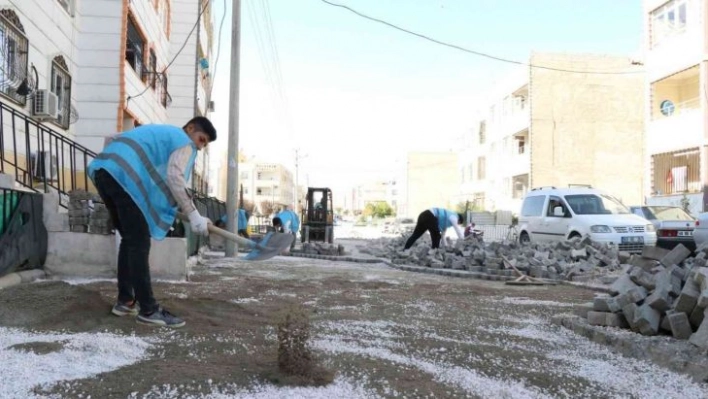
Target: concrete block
{"x": 659, "y": 300}
{"x": 700, "y": 276}
{"x": 697, "y": 316}
{"x": 655, "y": 253}
{"x": 700, "y": 337}
{"x": 677, "y": 272}
{"x": 680, "y": 326}
{"x": 583, "y": 309}
{"x": 688, "y": 297}
{"x": 622, "y": 285}
{"x": 642, "y": 278}
{"x": 647, "y": 319}
{"x": 703, "y": 299}
{"x": 676, "y": 256}
{"x": 600, "y": 303}
{"x": 616, "y": 320}
{"x": 81, "y": 255}
{"x": 630, "y": 313}
{"x": 664, "y": 324}
{"x": 597, "y": 318}
{"x": 665, "y": 281}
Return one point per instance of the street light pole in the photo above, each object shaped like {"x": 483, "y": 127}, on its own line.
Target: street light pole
{"x": 232, "y": 157}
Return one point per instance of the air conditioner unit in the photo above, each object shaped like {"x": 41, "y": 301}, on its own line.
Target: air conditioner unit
{"x": 211, "y": 106}
{"x": 44, "y": 166}
{"x": 45, "y": 105}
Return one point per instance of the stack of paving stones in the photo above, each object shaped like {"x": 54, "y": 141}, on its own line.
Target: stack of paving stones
{"x": 661, "y": 292}
{"x": 79, "y": 211}
{"x": 568, "y": 260}
{"x": 321, "y": 248}
{"x": 100, "y": 219}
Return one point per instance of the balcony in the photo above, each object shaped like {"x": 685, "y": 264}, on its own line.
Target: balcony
{"x": 676, "y": 113}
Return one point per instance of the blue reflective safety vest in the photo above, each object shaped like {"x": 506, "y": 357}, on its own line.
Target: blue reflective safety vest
{"x": 443, "y": 216}
{"x": 291, "y": 216}
{"x": 137, "y": 160}
{"x": 242, "y": 219}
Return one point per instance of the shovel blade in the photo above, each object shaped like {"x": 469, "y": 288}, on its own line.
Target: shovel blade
{"x": 273, "y": 244}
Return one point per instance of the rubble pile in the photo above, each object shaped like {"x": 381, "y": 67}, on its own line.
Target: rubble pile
{"x": 558, "y": 260}
{"x": 660, "y": 292}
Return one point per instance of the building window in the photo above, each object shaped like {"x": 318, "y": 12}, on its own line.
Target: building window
{"x": 259, "y": 191}
{"x": 135, "y": 48}
{"x": 244, "y": 175}
{"x": 164, "y": 15}
{"x": 481, "y": 168}
{"x": 668, "y": 20}
{"x": 165, "y": 98}
{"x": 13, "y": 57}
{"x": 521, "y": 146}
{"x": 676, "y": 172}
{"x": 61, "y": 86}
{"x": 152, "y": 78}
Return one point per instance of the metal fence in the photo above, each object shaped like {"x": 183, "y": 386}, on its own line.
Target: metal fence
{"x": 497, "y": 232}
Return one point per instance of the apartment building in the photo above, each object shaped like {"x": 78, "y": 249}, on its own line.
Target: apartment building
{"x": 554, "y": 126}
{"x": 375, "y": 192}
{"x": 675, "y": 44}
{"x": 262, "y": 182}
{"x": 79, "y": 71}
{"x": 431, "y": 180}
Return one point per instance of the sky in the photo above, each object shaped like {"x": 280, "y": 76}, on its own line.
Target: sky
{"x": 354, "y": 96}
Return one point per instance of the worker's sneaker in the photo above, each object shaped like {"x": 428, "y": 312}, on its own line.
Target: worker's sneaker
{"x": 121, "y": 309}
{"x": 161, "y": 317}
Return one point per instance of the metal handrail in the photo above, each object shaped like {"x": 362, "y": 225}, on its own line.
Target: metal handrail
{"x": 35, "y": 153}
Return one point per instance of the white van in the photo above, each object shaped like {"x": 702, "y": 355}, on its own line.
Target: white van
{"x": 557, "y": 214}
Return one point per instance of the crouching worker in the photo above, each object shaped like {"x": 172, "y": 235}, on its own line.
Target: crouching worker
{"x": 141, "y": 176}
{"x": 436, "y": 221}
{"x": 286, "y": 221}
{"x": 242, "y": 223}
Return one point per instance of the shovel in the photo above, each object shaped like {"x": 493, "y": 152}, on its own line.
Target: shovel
{"x": 271, "y": 245}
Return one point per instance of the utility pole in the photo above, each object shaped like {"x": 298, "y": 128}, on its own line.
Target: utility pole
{"x": 232, "y": 157}
{"x": 296, "y": 192}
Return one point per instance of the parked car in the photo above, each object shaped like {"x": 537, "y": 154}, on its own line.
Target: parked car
{"x": 673, "y": 224}
{"x": 556, "y": 214}
{"x": 700, "y": 232}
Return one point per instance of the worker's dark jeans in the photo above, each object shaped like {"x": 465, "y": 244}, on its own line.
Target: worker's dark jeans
{"x": 133, "y": 266}
{"x": 426, "y": 222}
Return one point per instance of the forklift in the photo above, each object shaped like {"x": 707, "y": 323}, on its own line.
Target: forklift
{"x": 318, "y": 216}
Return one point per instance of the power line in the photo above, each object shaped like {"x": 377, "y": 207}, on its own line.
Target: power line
{"x": 186, "y": 40}
{"x": 478, "y": 53}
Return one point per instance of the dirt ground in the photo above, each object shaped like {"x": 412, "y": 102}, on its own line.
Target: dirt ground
{"x": 382, "y": 332}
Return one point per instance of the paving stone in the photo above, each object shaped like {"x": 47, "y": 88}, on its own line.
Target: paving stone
{"x": 630, "y": 314}
{"x": 655, "y": 253}
{"x": 688, "y": 297}
{"x": 582, "y": 309}
{"x": 616, "y": 320}
{"x": 676, "y": 256}
{"x": 597, "y": 318}
{"x": 700, "y": 337}
{"x": 659, "y": 300}
{"x": 642, "y": 278}
{"x": 696, "y": 317}
{"x": 647, "y": 319}
{"x": 680, "y": 326}
{"x": 622, "y": 285}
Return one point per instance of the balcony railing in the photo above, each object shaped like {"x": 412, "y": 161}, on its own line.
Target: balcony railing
{"x": 668, "y": 109}
{"x": 40, "y": 158}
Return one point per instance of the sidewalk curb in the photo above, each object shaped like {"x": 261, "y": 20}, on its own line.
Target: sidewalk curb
{"x": 25, "y": 276}
{"x": 676, "y": 355}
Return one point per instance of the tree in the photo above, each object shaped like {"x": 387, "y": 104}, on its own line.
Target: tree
{"x": 378, "y": 210}
{"x": 267, "y": 207}
{"x": 338, "y": 210}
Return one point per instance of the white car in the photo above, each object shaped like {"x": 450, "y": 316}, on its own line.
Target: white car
{"x": 557, "y": 214}
{"x": 700, "y": 232}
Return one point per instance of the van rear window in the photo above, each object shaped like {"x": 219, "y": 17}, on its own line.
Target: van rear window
{"x": 533, "y": 206}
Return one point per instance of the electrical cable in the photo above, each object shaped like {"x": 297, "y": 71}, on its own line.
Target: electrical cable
{"x": 477, "y": 53}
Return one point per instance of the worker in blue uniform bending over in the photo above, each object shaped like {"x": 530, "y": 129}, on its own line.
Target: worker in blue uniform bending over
{"x": 286, "y": 221}
{"x": 141, "y": 176}
{"x": 436, "y": 221}
{"x": 242, "y": 223}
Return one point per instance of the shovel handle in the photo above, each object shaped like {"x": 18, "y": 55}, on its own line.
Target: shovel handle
{"x": 223, "y": 233}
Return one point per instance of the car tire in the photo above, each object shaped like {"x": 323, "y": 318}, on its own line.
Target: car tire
{"x": 573, "y": 235}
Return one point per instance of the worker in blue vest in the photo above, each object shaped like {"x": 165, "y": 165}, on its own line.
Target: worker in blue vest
{"x": 436, "y": 221}
{"x": 141, "y": 175}
{"x": 286, "y": 221}
{"x": 242, "y": 223}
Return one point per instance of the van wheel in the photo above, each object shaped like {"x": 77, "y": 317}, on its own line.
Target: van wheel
{"x": 524, "y": 238}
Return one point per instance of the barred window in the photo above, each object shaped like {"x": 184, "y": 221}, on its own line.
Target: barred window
{"x": 61, "y": 86}
{"x": 13, "y": 57}
{"x": 135, "y": 48}
{"x": 153, "y": 70}
{"x": 165, "y": 98}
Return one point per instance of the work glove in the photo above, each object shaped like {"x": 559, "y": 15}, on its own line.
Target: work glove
{"x": 199, "y": 223}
